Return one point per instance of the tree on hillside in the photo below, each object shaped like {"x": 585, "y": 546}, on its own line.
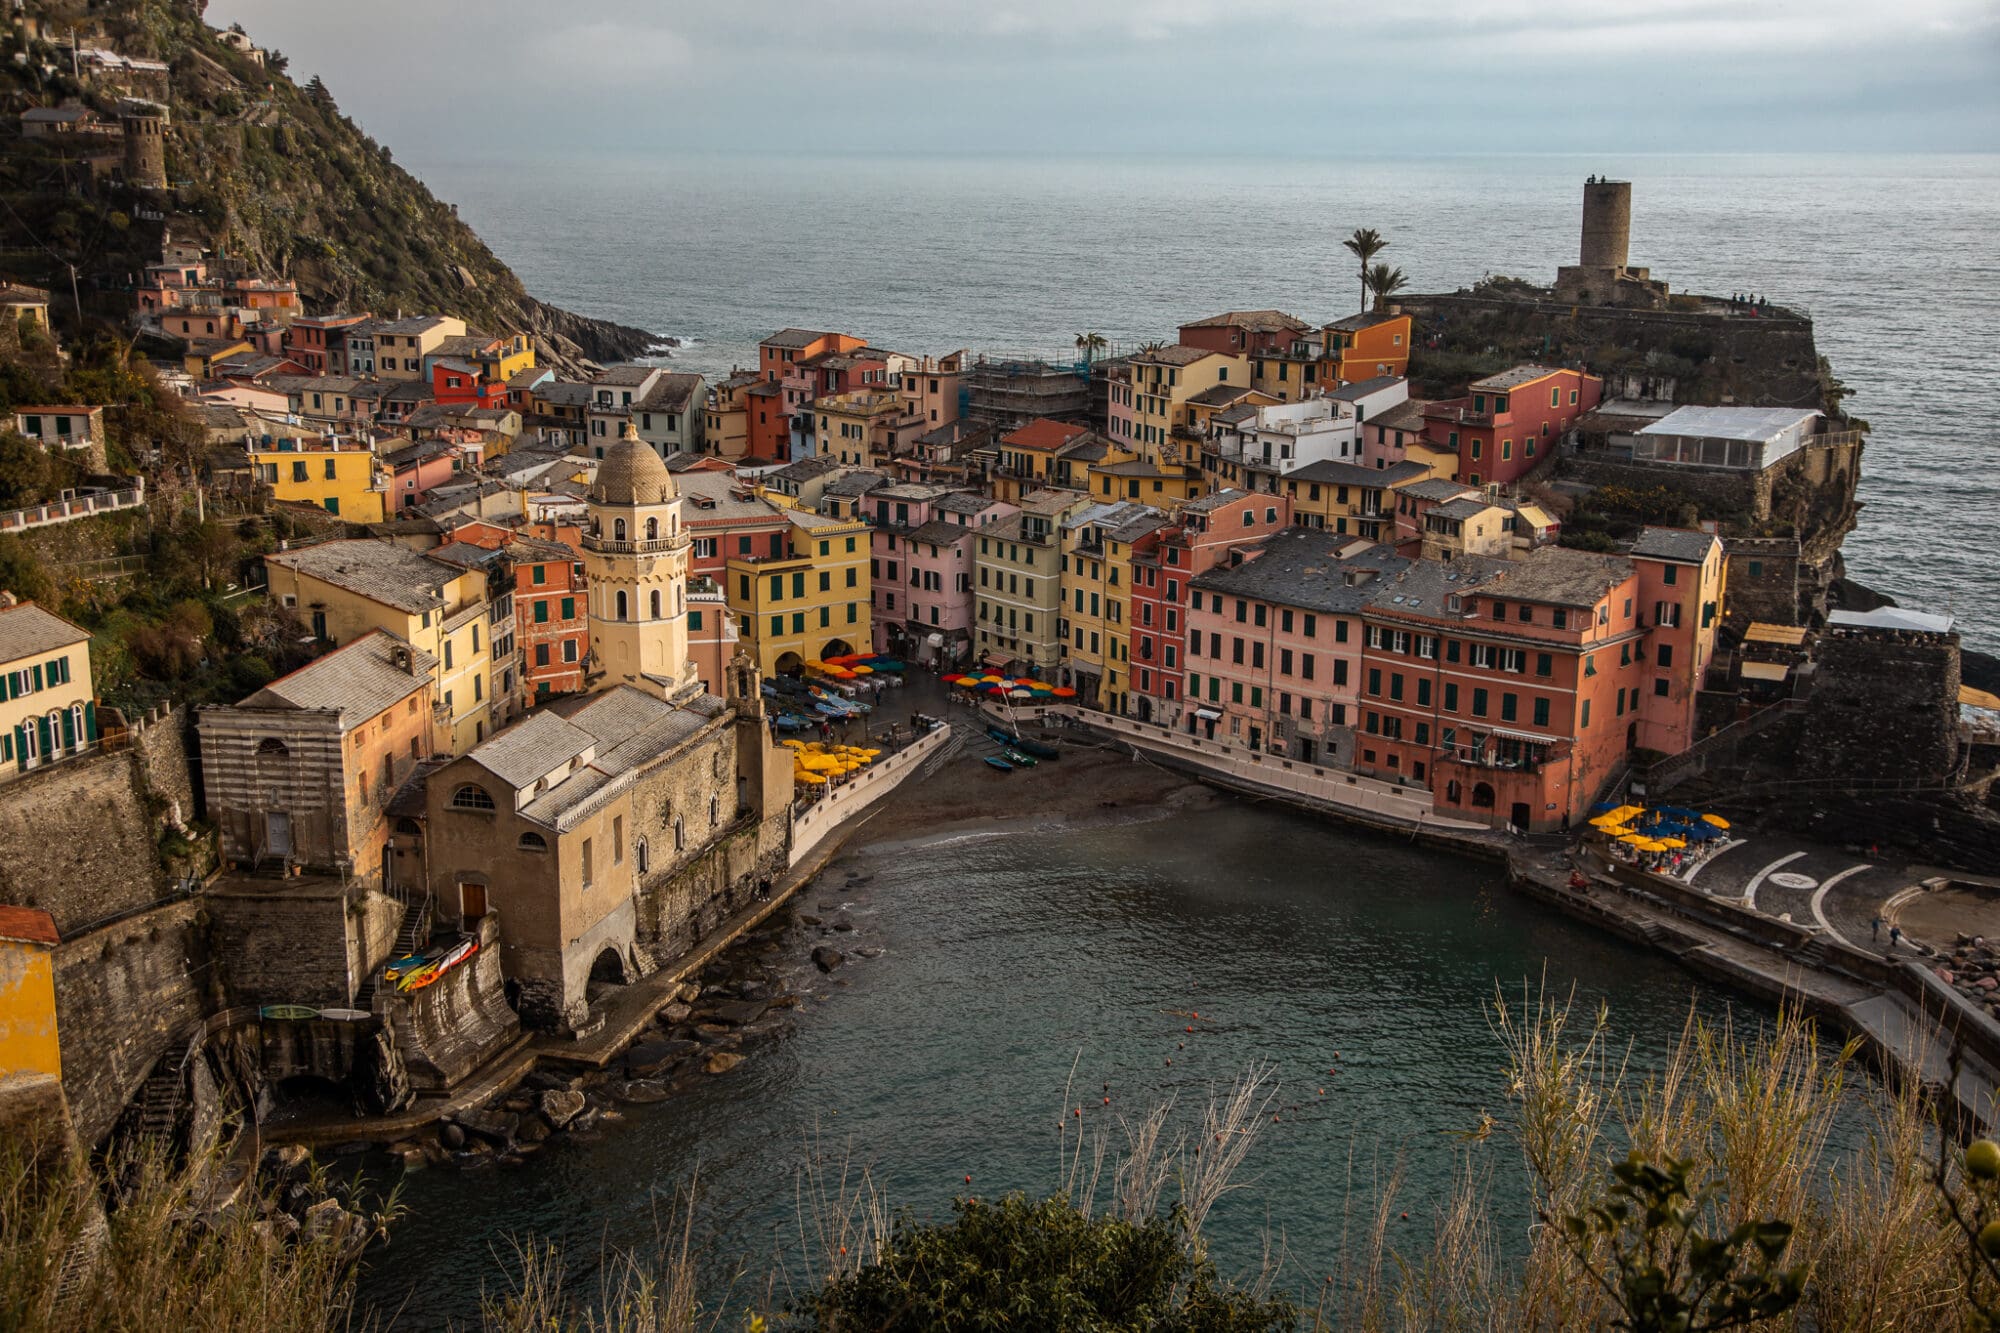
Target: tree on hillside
{"x": 1384, "y": 282}
{"x": 1364, "y": 245}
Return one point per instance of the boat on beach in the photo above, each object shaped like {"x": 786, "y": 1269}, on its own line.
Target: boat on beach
{"x": 1033, "y": 749}
{"x": 995, "y": 761}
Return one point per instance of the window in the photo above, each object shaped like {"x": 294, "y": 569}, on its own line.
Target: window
{"x": 1544, "y": 665}
{"x": 586, "y": 861}
{"x": 1479, "y": 703}
{"x": 1509, "y": 707}
{"x": 533, "y": 842}
{"x": 1666, "y": 653}
{"x": 471, "y": 797}
{"x": 569, "y": 608}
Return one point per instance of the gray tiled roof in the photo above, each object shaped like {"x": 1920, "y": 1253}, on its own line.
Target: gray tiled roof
{"x": 1513, "y": 379}
{"x": 360, "y": 679}
{"x": 964, "y": 502}
{"x": 1302, "y": 567}
{"x": 856, "y": 484}
{"x": 1423, "y": 587}
{"x": 1331, "y": 472}
{"x": 1356, "y": 323}
{"x": 1403, "y": 416}
{"x": 1214, "y": 500}
{"x": 671, "y": 394}
{"x": 1348, "y": 393}
{"x": 625, "y": 375}
{"x": 1677, "y": 544}
{"x": 1221, "y": 395}
{"x": 805, "y": 469}
{"x": 1563, "y": 577}
{"x": 532, "y": 748}
{"x": 1463, "y": 507}
{"x": 1437, "y": 488}
{"x": 792, "y": 338}
{"x": 937, "y": 532}
{"x": 1256, "y": 321}
{"x": 27, "y": 630}
{"x": 378, "y": 570}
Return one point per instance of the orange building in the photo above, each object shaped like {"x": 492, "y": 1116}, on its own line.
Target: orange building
{"x": 1362, "y": 347}
{"x": 1511, "y": 689}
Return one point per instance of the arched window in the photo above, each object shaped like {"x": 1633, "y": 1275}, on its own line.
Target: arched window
{"x": 471, "y": 797}
{"x": 409, "y": 828}
{"x": 271, "y": 745}
{"x": 680, "y": 836}
{"x": 618, "y": 529}
{"x": 642, "y": 857}
{"x": 619, "y": 602}
{"x": 533, "y": 842}
{"x": 652, "y": 529}
{"x": 656, "y": 603}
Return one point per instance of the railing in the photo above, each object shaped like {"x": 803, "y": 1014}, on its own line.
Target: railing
{"x": 65, "y": 511}
{"x": 611, "y": 546}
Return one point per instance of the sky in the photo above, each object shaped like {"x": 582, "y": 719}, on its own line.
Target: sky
{"x": 444, "y": 80}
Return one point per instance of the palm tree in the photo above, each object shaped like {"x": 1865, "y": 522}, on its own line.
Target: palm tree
{"x": 1385, "y": 282}
{"x": 1090, "y": 344}
{"x": 1364, "y": 245}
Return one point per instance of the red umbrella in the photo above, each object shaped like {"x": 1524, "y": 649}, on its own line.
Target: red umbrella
{"x": 1063, "y": 692}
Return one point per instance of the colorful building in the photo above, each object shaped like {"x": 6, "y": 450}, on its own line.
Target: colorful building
{"x": 1165, "y": 562}
{"x": 29, "y": 1048}
{"x": 1682, "y": 584}
{"x": 1244, "y": 332}
{"x": 401, "y": 345}
{"x": 1095, "y": 647}
{"x": 1347, "y": 498}
{"x": 1274, "y": 644}
{"x": 1019, "y": 593}
{"x": 1150, "y": 410}
{"x": 1363, "y": 347}
{"x": 342, "y": 477}
{"x": 344, "y": 589}
{"x": 1509, "y": 424}
{"x": 48, "y": 710}
{"x": 301, "y": 773}
{"x": 923, "y": 567}
{"x": 809, "y": 603}
{"x": 726, "y": 428}
{"x": 1510, "y": 689}
{"x": 863, "y": 428}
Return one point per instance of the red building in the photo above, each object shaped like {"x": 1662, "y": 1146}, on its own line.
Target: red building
{"x": 1508, "y": 424}
{"x": 767, "y": 430}
{"x": 457, "y": 383}
{"x": 1165, "y": 562}
{"x": 1510, "y": 689}
{"x": 1242, "y": 332}
{"x": 551, "y": 603}
{"x": 319, "y": 342}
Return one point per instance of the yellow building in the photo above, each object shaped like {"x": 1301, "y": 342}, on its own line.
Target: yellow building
{"x": 1152, "y": 409}
{"x": 1349, "y": 498}
{"x": 47, "y": 709}
{"x": 809, "y": 604}
{"x": 505, "y": 358}
{"x": 1096, "y": 588}
{"x": 28, "y": 1046}
{"x": 1147, "y": 483}
{"x": 342, "y": 480}
{"x": 859, "y": 428}
{"x": 344, "y": 589}
{"x": 402, "y": 344}
{"x": 728, "y": 426}
{"x": 1018, "y": 606}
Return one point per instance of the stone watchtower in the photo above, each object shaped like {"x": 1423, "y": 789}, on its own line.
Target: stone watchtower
{"x": 636, "y": 554}
{"x": 1607, "y": 224}
{"x": 145, "y": 145}
{"x": 1603, "y": 274}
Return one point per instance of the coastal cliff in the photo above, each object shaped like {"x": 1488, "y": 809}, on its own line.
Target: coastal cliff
{"x": 262, "y": 171}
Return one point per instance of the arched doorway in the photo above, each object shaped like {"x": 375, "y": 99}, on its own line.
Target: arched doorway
{"x": 1482, "y": 796}
{"x": 609, "y": 967}
{"x": 790, "y": 664}
{"x": 1145, "y": 709}
{"x": 836, "y": 648}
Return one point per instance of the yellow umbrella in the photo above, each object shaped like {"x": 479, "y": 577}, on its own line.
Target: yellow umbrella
{"x": 1717, "y": 820}
{"x": 1619, "y": 831}
{"x": 1632, "y": 839}
{"x": 1648, "y": 845}
{"x": 814, "y": 778}
{"x": 1607, "y": 820}
{"x": 1673, "y": 844}
{"x": 1625, "y": 812}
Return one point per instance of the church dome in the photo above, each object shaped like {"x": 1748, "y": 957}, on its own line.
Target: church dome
{"x": 630, "y": 473}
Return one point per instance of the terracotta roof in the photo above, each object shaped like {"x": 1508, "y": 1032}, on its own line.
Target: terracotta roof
{"x": 1252, "y": 321}
{"x": 29, "y": 925}
{"x": 1044, "y": 434}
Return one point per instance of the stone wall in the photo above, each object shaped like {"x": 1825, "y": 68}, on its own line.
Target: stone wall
{"x": 1883, "y": 709}
{"x": 295, "y": 941}
{"x": 78, "y": 840}
{"x": 124, "y": 994}
{"x": 681, "y": 909}
{"x": 446, "y": 1030}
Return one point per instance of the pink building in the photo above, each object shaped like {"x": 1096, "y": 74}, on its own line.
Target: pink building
{"x": 922, "y": 568}
{"x": 1681, "y": 583}
{"x": 1274, "y": 644}
{"x": 1205, "y": 533}
{"x": 417, "y": 469}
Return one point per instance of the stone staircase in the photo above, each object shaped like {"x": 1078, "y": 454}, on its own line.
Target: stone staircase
{"x": 943, "y": 755}
{"x": 164, "y": 1092}
{"x": 414, "y": 934}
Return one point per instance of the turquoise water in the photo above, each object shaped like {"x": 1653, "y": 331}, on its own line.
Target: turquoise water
{"x": 1011, "y": 960}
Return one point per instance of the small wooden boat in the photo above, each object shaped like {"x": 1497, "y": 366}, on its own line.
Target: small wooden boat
{"x": 434, "y": 972}
{"x": 400, "y": 967}
{"x": 1036, "y": 748}
{"x": 1019, "y": 760}
{"x": 345, "y": 1015}
{"x": 995, "y": 761}
{"x": 290, "y": 1011}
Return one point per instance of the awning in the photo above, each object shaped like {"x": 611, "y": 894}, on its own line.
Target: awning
{"x": 1208, "y": 715}
{"x": 1791, "y": 636}
{"x": 1765, "y": 671}
{"x": 1527, "y": 736}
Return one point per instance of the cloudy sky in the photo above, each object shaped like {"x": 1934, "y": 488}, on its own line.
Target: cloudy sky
{"x": 443, "y": 80}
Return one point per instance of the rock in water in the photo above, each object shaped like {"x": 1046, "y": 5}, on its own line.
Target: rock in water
{"x": 650, "y": 1057}
{"x": 722, "y": 1062}
{"x": 736, "y": 1012}
{"x": 559, "y": 1108}
{"x": 496, "y": 1127}
{"x": 826, "y": 959}
{"x": 451, "y": 1136}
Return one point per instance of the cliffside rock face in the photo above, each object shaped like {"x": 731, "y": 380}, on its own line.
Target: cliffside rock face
{"x": 266, "y": 172}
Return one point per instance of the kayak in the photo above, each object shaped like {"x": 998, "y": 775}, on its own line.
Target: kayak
{"x": 994, "y": 761}
{"x": 1035, "y": 748}
{"x": 1019, "y": 760}
{"x": 345, "y": 1015}
{"x": 292, "y": 1011}
{"x": 425, "y": 976}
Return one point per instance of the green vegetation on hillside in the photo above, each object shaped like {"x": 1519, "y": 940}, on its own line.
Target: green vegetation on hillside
{"x": 264, "y": 171}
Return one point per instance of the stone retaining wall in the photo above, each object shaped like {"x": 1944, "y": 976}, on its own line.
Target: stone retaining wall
{"x": 867, "y": 787}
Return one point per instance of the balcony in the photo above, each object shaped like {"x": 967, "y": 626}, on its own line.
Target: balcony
{"x": 611, "y": 546}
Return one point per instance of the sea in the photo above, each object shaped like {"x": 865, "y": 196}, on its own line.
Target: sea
{"x": 1894, "y": 257}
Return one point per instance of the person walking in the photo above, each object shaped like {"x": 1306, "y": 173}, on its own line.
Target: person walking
{"x": 1875, "y": 929}
{"x": 1895, "y": 937}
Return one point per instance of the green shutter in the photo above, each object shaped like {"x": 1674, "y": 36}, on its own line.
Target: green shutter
{"x": 38, "y": 675}
{"x": 18, "y": 738}
{"x": 68, "y": 729}
{"x": 90, "y": 720}
{"x": 42, "y": 733}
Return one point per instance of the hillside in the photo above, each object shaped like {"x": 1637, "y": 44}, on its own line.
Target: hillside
{"x": 263, "y": 170}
